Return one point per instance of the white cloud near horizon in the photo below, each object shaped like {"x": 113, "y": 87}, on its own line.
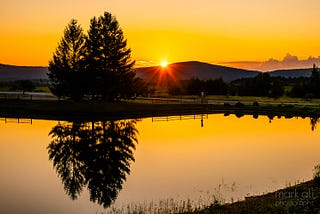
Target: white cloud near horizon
{"x": 288, "y": 62}
{"x": 145, "y": 63}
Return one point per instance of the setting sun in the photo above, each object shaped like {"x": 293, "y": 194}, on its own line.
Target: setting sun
{"x": 164, "y": 64}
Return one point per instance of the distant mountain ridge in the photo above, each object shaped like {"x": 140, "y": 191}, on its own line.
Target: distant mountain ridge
{"x": 193, "y": 69}
{"x": 12, "y": 72}
{"x": 175, "y": 71}
{"x": 292, "y": 73}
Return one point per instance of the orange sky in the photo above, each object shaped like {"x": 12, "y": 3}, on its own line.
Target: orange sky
{"x": 204, "y": 30}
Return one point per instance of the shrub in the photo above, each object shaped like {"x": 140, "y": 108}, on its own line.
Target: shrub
{"x": 255, "y": 103}
{"x": 239, "y": 104}
{"x": 316, "y": 174}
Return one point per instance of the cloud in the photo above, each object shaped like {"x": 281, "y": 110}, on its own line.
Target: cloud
{"x": 288, "y": 62}
{"x": 145, "y": 63}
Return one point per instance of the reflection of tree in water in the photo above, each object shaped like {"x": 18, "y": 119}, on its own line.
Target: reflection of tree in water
{"x": 314, "y": 122}
{"x": 95, "y": 155}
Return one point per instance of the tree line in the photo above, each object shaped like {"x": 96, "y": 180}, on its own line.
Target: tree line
{"x": 263, "y": 85}
{"x": 307, "y": 87}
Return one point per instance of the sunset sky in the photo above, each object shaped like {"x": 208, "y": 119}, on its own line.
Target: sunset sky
{"x": 244, "y": 33}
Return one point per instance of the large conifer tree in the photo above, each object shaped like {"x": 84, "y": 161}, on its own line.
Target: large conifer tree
{"x": 98, "y": 64}
{"x": 66, "y": 71}
{"x": 108, "y": 59}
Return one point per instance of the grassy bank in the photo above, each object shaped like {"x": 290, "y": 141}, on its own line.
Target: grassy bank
{"x": 69, "y": 110}
{"x": 86, "y": 110}
{"x": 301, "y": 198}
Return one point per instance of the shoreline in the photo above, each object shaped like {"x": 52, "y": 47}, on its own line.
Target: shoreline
{"x": 273, "y": 202}
{"x": 300, "y": 198}
{"x": 99, "y": 110}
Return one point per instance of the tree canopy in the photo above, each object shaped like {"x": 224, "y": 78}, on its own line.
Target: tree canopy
{"x": 108, "y": 60}
{"x": 66, "y": 67}
{"x": 98, "y": 64}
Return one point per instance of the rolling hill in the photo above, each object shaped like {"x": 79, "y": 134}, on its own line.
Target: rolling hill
{"x": 175, "y": 71}
{"x": 192, "y": 69}
{"x": 12, "y": 73}
{"x": 292, "y": 73}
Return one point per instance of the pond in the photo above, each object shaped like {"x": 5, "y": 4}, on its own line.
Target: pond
{"x": 81, "y": 167}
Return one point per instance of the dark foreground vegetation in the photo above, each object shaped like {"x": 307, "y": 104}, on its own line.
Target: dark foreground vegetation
{"x": 25, "y": 86}
{"x": 88, "y": 110}
{"x": 262, "y": 85}
{"x": 301, "y": 198}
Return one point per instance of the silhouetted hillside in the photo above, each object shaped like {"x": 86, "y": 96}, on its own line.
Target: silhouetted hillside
{"x": 11, "y": 73}
{"x": 193, "y": 69}
{"x": 175, "y": 71}
{"x": 292, "y": 73}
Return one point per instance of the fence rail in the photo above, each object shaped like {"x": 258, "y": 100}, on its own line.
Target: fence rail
{"x": 17, "y": 120}
{"x": 27, "y": 96}
{"x": 180, "y": 117}
{"x": 155, "y": 100}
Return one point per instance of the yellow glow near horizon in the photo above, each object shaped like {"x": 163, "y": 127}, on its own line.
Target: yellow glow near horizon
{"x": 164, "y": 64}
{"x": 205, "y": 30}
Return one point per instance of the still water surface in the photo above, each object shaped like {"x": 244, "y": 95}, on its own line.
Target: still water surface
{"x": 228, "y": 157}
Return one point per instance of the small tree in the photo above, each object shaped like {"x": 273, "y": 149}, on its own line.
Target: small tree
{"x": 108, "y": 60}
{"x": 23, "y": 85}
{"x": 277, "y": 89}
{"x": 315, "y": 82}
{"x": 66, "y": 72}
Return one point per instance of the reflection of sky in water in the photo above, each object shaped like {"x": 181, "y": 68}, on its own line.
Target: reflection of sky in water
{"x": 179, "y": 158}
{"x": 176, "y": 159}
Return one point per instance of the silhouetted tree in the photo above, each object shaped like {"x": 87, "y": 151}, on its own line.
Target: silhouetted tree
{"x": 216, "y": 87}
{"x": 277, "y": 89}
{"x": 314, "y": 122}
{"x": 178, "y": 88}
{"x": 108, "y": 59}
{"x": 66, "y": 72}
{"x": 262, "y": 84}
{"x": 300, "y": 88}
{"x": 94, "y": 155}
{"x": 315, "y": 82}
{"x": 195, "y": 86}
{"x": 23, "y": 85}
{"x": 141, "y": 87}
{"x": 307, "y": 87}
{"x": 257, "y": 86}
